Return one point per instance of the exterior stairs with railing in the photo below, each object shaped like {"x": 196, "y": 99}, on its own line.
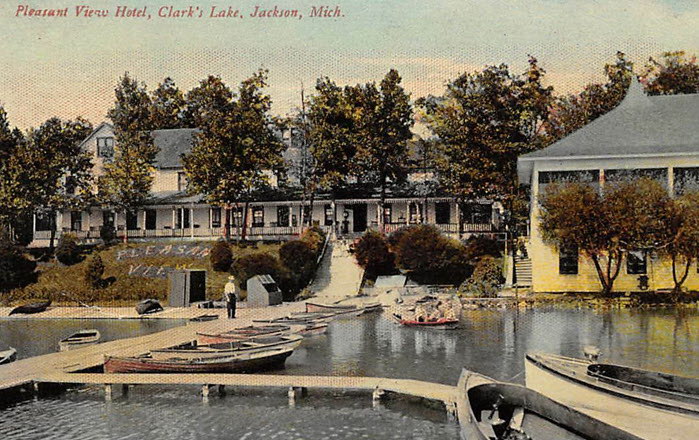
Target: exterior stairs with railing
{"x": 523, "y": 271}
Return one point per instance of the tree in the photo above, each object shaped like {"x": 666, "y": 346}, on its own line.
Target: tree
{"x": 221, "y": 256}
{"x": 682, "y": 237}
{"x": 16, "y": 270}
{"x": 372, "y": 253}
{"x": 168, "y": 107}
{"x": 675, "y": 73}
{"x": 571, "y": 112}
{"x": 383, "y": 119}
{"x": 235, "y": 147}
{"x": 68, "y": 251}
{"x": 603, "y": 226}
{"x": 94, "y": 271}
{"x": 65, "y": 170}
{"x": 332, "y": 137}
{"x": 127, "y": 180}
{"x": 299, "y": 257}
{"x": 484, "y": 121}
{"x": 260, "y": 263}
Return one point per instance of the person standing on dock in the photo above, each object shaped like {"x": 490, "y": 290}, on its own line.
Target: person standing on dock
{"x": 229, "y": 292}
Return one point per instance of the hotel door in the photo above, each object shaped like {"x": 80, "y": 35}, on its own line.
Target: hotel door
{"x": 359, "y": 218}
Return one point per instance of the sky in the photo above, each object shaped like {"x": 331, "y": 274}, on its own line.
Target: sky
{"x": 68, "y": 66}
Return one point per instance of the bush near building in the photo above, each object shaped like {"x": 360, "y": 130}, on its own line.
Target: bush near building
{"x": 68, "y": 251}
{"x": 486, "y": 278}
{"x": 221, "y": 256}
{"x": 94, "y": 270}
{"x": 259, "y": 263}
{"x": 477, "y": 247}
{"x": 299, "y": 257}
{"x": 16, "y": 269}
{"x": 373, "y": 254}
{"x": 315, "y": 237}
{"x": 430, "y": 257}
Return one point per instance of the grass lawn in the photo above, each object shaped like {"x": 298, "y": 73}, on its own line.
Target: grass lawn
{"x": 121, "y": 260}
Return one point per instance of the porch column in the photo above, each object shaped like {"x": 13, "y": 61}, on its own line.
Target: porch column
{"x": 174, "y": 217}
{"x": 671, "y": 181}
{"x": 87, "y": 223}
{"x": 33, "y": 224}
{"x": 407, "y": 212}
{"x": 59, "y": 221}
{"x": 211, "y": 217}
{"x": 191, "y": 221}
{"x": 116, "y": 220}
{"x": 143, "y": 221}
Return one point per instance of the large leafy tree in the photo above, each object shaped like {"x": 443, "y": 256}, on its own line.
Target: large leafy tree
{"x": 675, "y": 73}
{"x": 168, "y": 106}
{"x": 237, "y": 143}
{"x": 604, "y": 225}
{"x": 571, "y": 112}
{"x": 484, "y": 121}
{"x": 682, "y": 241}
{"x": 383, "y": 118}
{"x": 332, "y": 135}
{"x": 66, "y": 171}
{"x": 127, "y": 180}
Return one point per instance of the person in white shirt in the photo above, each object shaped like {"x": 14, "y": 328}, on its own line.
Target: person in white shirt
{"x": 230, "y": 295}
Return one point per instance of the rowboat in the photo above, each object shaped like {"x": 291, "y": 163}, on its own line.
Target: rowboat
{"x": 243, "y": 333}
{"x": 306, "y": 327}
{"x": 148, "y": 306}
{"x": 79, "y": 339}
{"x": 37, "y": 307}
{"x": 324, "y": 308}
{"x": 652, "y": 405}
{"x": 315, "y": 316}
{"x": 7, "y": 356}
{"x": 247, "y": 362}
{"x": 193, "y": 351}
{"x": 492, "y": 410}
{"x": 372, "y": 307}
{"x": 204, "y": 318}
{"x": 437, "y": 324}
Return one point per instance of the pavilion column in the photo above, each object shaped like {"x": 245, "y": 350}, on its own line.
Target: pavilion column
{"x": 191, "y": 221}
{"x": 671, "y": 181}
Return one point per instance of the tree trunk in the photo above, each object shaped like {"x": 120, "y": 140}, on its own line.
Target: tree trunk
{"x": 52, "y": 236}
{"x": 382, "y": 203}
{"x": 310, "y": 209}
{"x": 126, "y": 229}
{"x": 227, "y": 223}
{"x": 607, "y": 276}
{"x": 460, "y": 217}
{"x": 679, "y": 281}
{"x": 245, "y": 220}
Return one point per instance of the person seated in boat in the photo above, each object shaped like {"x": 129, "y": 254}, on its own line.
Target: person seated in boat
{"x": 230, "y": 295}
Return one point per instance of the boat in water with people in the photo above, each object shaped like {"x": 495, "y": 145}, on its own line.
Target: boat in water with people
{"x": 650, "y": 404}
{"x": 431, "y": 323}
{"x": 493, "y": 410}
{"x": 81, "y": 338}
{"x": 192, "y": 350}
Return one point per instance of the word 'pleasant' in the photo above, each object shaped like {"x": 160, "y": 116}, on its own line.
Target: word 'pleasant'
{"x": 182, "y": 250}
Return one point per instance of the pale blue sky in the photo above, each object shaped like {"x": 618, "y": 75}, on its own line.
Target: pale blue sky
{"x": 68, "y": 67}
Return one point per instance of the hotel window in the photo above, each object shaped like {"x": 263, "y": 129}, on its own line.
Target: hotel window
{"x": 568, "y": 260}
{"x": 70, "y": 185}
{"x": 131, "y": 220}
{"x": 282, "y": 216}
{"x": 105, "y": 147}
{"x": 43, "y": 221}
{"x": 181, "y": 181}
{"x": 442, "y": 213}
{"x": 76, "y": 220}
{"x": 636, "y": 263}
{"x": 329, "y": 215}
{"x": 108, "y": 218}
{"x": 415, "y": 210}
{"x": 182, "y": 218}
{"x": 387, "y": 214}
{"x": 151, "y": 219}
{"x": 258, "y": 217}
{"x": 215, "y": 217}
{"x": 237, "y": 217}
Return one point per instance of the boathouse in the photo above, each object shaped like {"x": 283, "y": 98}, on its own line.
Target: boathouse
{"x": 651, "y": 136}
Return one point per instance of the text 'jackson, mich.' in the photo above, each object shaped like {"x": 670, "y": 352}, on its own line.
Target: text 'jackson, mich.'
{"x": 170, "y": 11}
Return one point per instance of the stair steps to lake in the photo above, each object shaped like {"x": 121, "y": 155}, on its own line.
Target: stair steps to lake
{"x": 523, "y": 272}
{"x": 338, "y": 276}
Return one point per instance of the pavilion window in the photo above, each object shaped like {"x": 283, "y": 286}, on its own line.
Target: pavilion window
{"x": 636, "y": 263}
{"x": 686, "y": 180}
{"x": 568, "y": 260}
{"x": 590, "y": 177}
{"x": 258, "y": 217}
{"x": 215, "y": 217}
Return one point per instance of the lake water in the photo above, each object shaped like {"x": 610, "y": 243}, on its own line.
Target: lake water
{"x": 492, "y": 342}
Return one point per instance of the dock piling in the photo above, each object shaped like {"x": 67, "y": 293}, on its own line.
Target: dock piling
{"x": 296, "y": 393}
{"x": 108, "y": 392}
{"x": 376, "y": 397}
{"x": 205, "y": 391}
{"x": 451, "y": 411}
{"x": 125, "y": 389}
{"x": 222, "y": 390}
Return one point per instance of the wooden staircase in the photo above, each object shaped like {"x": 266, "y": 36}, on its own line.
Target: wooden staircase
{"x": 523, "y": 271}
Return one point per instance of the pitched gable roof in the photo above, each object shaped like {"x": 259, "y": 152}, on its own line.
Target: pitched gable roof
{"x": 95, "y": 131}
{"x": 172, "y": 144}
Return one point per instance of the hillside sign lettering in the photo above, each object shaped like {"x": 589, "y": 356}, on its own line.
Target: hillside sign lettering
{"x": 181, "y": 250}
{"x": 152, "y": 271}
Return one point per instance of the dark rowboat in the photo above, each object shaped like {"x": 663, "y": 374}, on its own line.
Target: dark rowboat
{"x": 325, "y": 308}
{"x": 148, "y": 306}
{"x": 79, "y": 339}
{"x": 372, "y": 307}
{"x": 650, "y": 404}
{"x": 438, "y": 324}
{"x": 192, "y": 350}
{"x": 204, "y": 318}
{"x": 7, "y": 356}
{"x": 37, "y": 307}
{"x": 492, "y": 410}
{"x": 239, "y": 363}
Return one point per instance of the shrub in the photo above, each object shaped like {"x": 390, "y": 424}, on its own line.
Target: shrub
{"x": 372, "y": 253}
{"x": 94, "y": 271}
{"x": 221, "y": 256}
{"x": 16, "y": 270}
{"x": 108, "y": 234}
{"x": 315, "y": 237}
{"x": 477, "y": 247}
{"x": 68, "y": 251}
{"x": 299, "y": 258}
{"x": 485, "y": 280}
{"x": 260, "y": 263}
{"x": 429, "y": 256}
